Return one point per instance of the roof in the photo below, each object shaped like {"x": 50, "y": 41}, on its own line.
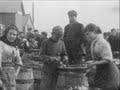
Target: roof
{"x": 11, "y": 6}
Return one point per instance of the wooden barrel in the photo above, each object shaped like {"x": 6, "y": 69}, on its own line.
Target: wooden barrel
{"x": 25, "y": 79}
{"x": 37, "y": 76}
{"x": 67, "y": 80}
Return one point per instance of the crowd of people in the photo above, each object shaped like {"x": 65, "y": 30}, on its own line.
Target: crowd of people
{"x": 113, "y": 38}
{"x": 70, "y": 46}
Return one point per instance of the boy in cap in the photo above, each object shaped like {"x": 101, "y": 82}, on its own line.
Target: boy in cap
{"x": 53, "y": 52}
{"x": 74, "y": 37}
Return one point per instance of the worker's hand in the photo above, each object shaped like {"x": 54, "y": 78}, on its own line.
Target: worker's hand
{"x": 89, "y": 64}
{"x": 53, "y": 59}
{"x": 65, "y": 60}
{"x": 36, "y": 58}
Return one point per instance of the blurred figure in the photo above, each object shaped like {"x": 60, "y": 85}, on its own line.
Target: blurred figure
{"x": 53, "y": 52}
{"x": 10, "y": 59}
{"x": 105, "y": 35}
{"x": 74, "y": 37}
{"x": 20, "y": 40}
{"x": 29, "y": 32}
{"x": 113, "y": 32}
{"x": 99, "y": 30}
{"x": 107, "y": 73}
{"x": 38, "y": 38}
{"x": 41, "y": 38}
{"x": 29, "y": 45}
{"x": 36, "y": 32}
{"x": 113, "y": 40}
{"x": 44, "y": 34}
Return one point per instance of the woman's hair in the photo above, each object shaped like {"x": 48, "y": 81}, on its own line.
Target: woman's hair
{"x": 31, "y": 35}
{"x": 99, "y": 31}
{"x": 93, "y": 28}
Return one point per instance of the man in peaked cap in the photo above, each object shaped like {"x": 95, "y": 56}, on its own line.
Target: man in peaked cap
{"x": 53, "y": 52}
{"x": 72, "y": 12}
{"x": 74, "y": 37}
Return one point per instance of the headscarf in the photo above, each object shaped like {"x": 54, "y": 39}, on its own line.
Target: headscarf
{"x": 31, "y": 35}
{"x": 4, "y": 37}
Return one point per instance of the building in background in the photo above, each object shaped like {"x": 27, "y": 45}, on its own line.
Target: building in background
{"x": 12, "y": 12}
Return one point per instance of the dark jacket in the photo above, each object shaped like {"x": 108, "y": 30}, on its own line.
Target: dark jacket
{"x": 75, "y": 32}
{"x": 114, "y": 42}
{"x": 54, "y": 49}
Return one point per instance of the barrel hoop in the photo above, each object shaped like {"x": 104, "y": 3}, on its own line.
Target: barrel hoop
{"x": 24, "y": 81}
{"x": 37, "y": 80}
{"x": 71, "y": 75}
{"x": 64, "y": 87}
{"x": 38, "y": 69}
{"x": 25, "y": 70}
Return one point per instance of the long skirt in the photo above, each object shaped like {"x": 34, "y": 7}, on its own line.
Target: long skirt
{"x": 107, "y": 76}
{"x": 8, "y": 78}
{"x": 48, "y": 82}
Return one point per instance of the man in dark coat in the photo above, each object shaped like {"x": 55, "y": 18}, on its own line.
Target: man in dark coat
{"x": 113, "y": 40}
{"x": 53, "y": 52}
{"x": 74, "y": 37}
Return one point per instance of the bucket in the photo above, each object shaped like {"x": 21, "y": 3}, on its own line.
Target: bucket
{"x": 67, "y": 80}
{"x": 25, "y": 79}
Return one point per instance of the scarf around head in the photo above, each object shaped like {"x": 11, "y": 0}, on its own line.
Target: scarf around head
{"x": 4, "y": 37}
{"x": 5, "y": 40}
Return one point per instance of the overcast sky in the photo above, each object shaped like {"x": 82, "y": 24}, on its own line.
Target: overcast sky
{"x": 47, "y": 14}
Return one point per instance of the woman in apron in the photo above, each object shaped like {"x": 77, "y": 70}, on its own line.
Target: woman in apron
{"x": 107, "y": 73}
{"x": 10, "y": 60}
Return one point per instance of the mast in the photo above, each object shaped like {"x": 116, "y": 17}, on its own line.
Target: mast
{"x": 33, "y": 13}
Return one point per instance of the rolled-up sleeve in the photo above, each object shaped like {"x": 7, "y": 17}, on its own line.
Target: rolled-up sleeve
{"x": 104, "y": 51}
{"x": 18, "y": 58}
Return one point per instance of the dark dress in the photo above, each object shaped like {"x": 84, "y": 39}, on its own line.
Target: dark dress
{"x": 107, "y": 75}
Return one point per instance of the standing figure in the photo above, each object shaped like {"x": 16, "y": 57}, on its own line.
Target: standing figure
{"x": 29, "y": 32}
{"x": 10, "y": 59}
{"x": 107, "y": 73}
{"x": 105, "y": 35}
{"x": 29, "y": 45}
{"x": 112, "y": 40}
{"x": 74, "y": 37}
{"x": 43, "y": 37}
{"x": 53, "y": 52}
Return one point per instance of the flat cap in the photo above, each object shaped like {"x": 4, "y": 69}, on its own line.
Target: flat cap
{"x": 35, "y": 30}
{"x": 58, "y": 30}
{"x": 72, "y": 12}
{"x": 44, "y": 33}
